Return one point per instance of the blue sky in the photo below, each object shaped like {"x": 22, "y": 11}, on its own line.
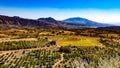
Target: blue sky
{"x": 106, "y": 11}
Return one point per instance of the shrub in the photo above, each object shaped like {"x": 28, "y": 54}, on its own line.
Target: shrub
{"x": 65, "y": 49}
{"x": 53, "y": 43}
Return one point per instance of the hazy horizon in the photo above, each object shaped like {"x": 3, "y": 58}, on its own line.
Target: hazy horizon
{"x": 103, "y": 11}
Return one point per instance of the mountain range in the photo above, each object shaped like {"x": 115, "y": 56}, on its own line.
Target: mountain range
{"x": 6, "y": 21}
{"x": 76, "y": 22}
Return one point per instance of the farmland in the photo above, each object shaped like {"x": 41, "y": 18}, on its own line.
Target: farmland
{"x": 29, "y": 48}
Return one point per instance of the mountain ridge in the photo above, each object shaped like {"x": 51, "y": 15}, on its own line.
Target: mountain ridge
{"x": 17, "y": 21}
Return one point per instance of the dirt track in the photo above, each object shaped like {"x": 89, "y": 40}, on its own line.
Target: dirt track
{"x": 24, "y": 39}
{"x": 54, "y": 66}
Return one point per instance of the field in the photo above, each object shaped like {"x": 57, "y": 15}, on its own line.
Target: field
{"x": 72, "y": 40}
{"x": 23, "y": 48}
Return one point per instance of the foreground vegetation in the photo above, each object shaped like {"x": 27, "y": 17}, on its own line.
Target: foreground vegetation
{"x": 91, "y": 57}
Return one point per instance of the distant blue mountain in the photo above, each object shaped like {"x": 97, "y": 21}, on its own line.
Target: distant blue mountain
{"x": 78, "y": 21}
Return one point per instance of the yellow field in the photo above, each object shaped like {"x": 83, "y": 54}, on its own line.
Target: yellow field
{"x": 75, "y": 40}
{"x": 79, "y": 43}
{"x": 86, "y": 42}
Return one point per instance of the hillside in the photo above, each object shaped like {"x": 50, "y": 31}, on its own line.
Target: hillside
{"x": 115, "y": 29}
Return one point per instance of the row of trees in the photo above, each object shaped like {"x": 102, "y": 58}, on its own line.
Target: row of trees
{"x": 14, "y": 45}
{"x": 34, "y": 59}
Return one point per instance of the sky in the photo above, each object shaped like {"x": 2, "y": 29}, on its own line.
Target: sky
{"x": 104, "y": 11}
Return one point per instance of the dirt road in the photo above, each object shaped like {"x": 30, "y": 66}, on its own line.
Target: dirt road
{"x": 54, "y": 66}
